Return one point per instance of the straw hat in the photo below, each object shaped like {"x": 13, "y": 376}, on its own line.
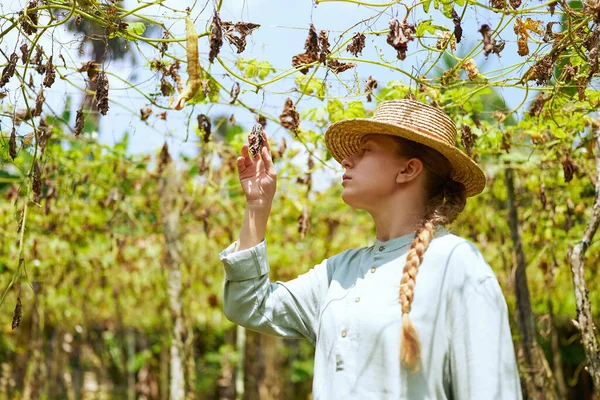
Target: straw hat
{"x": 411, "y": 120}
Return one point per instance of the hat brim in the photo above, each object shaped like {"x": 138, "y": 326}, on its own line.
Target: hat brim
{"x": 344, "y": 138}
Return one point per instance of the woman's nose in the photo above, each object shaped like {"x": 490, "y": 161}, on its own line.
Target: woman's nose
{"x": 346, "y": 162}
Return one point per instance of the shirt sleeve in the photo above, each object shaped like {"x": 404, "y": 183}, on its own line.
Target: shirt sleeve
{"x": 482, "y": 356}
{"x": 287, "y": 309}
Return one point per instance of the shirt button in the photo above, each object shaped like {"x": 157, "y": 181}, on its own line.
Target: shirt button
{"x": 356, "y": 300}
{"x": 373, "y": 270}
{"x": 381, "y": 248}
{"x": 344, "y": 333}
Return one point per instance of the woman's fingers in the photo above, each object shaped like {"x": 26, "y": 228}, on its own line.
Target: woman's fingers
{"x": 246, "y": 155}
{"x": 266, "y": 157}
{"x": 241, "y": 164}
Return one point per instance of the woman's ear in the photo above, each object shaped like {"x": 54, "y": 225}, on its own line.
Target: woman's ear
{"x": 409, "y": 170}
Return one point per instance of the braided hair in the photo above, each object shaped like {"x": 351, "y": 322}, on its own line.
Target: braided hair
{"x": 445, "y": 200}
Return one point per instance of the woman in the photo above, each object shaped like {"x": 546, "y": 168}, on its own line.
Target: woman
{"x": 420, "y": 314}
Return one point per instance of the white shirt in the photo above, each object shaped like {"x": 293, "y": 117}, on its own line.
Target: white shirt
{"x": 348, "y": 307}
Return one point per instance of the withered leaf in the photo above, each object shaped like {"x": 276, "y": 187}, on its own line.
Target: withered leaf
{"x": 162, "y": 115}
{"x": 145, "y": 113}
{"x": 242, "y": 28}
{"x": 486, "y": 32}
{"x": 12, "y": 144}
{"x": 9, "y": 70}
{"x": 442, "y": 42}
{"x": 37, "y": 60}
{"x": 79, "y": 122}
{"x": 43, "y": 134}
{"x": 311, "y": 54}
{"x": 369, "y": 87}
{"x": 338, "y": 67}
{"x": 102, "y": 93}
{"x": 357, "y": 45}
{"x": 538, "y": 104}
{"x": 204, "y": 126}
{"x": 18, "y": 314}
{"x": 458, "y": 31}
{"x": 164, "y": 158}
{"x": 282, "y": 148}
{"x": 552, "y": 7}
{"x": 232, "y": 119}
{"x": 548, "y": 34}
{"x": 216, "y": 38}
{"x": 37, "y": 181}
{"x": 50, "y": 73}
{"x": 235, "y": 92}
{"x": 467, "y": 138}
{"x": 39, "y": 103}
{"x": 166, "y": 89}
{"x": 24, "y": 52}
{"x": 261, "y": 119}
{"x": 256, "y": 140}
{"x": 289, "y": 118}
{"x": 399, "y": 36}
{"x": 522, "y": 29}
{"x": 569, "y": 168}
{"x": 515, "y": 3}
{"x": 30, "y": 19}
{"x": 91, "y": 68}
{"x": 470, "y": 66}
{"x": 324, "y": 44}
{"x": 301, "y": 59}
{"x": 498, "y": 4}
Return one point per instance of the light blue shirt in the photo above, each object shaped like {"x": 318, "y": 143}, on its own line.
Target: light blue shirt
{"x": 348, "y": 307}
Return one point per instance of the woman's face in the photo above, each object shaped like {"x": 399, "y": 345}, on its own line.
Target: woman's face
{"x": 371, "y": 172}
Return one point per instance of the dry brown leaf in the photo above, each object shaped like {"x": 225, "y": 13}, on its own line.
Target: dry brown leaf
{"x": 18, "y": 314}
{"x": 39, "y": 103}
{"x": 242, "y": 28}
{"x": 443, "y": 41}
{"x": 162, "y": 115}
{"x": 235, "y": 92}
{"x": 338, "y": 67}
{"x": 522, "y": 29}
{"x": 145, "y": 113}
{"x": 324, "y": 44}
{"x": 290, "y": 118}
{"x": 399, "y": 36}
{"x": 50, "y": 74}
{"x": 216, "y": 38}
{"x": 256, "y": 140}
{"x": 164, "y": 158}
{"x": 303, "y": 222}
{"x": 467, "y": 139}
{"x": 102, "y": 93}
{"x": 311, "y": 54}
{"x": 357, "y": 45}
{"x": 30, "y": 19}
{"x": 79, "y": 122}
{"x": 471, "y": 68}
{"x": 12, "y": 144}
{"x": 369, "y": 87}
{"x": 458, "y": 31}
{"x": 24, "y": 52}
{"x": 9, "y": 70}
{"x": 204, "y": 126}
{"x": 37, "y": 181}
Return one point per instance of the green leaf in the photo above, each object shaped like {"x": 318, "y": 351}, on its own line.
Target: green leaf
{"x": 425, "y": 26}
{"x": 136, "y": 28}
{"x": 426, "y": 5}
{"x": 313, "y": 86}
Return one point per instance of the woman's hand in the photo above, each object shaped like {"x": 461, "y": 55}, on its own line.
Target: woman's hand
{"x": 257, "y": 176}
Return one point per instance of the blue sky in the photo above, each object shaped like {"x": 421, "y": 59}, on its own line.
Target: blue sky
{"x": 281, "y": 35}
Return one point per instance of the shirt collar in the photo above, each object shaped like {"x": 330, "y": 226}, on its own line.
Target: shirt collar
{"x": 402, "y": 241}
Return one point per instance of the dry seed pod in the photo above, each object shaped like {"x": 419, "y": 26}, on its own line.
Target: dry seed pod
{"x": 193, "y": 64}
{"x": 256, "y": 140}
{"x": 289, "y": 118}
{"x": 79, "y": 122}
{"x": 9, "y": 70}
{"x": 18, "y": 314}
{"x": 12, "y": 144}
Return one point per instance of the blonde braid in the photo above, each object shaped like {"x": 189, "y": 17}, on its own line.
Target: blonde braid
{"x": 445, "y": 208}
{"x": 410, "y": 346}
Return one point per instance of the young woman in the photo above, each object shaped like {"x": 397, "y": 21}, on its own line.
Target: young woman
{"x": 418, "y": 315}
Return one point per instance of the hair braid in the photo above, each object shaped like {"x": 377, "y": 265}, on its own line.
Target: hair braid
{"x": 445, "y": 207}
